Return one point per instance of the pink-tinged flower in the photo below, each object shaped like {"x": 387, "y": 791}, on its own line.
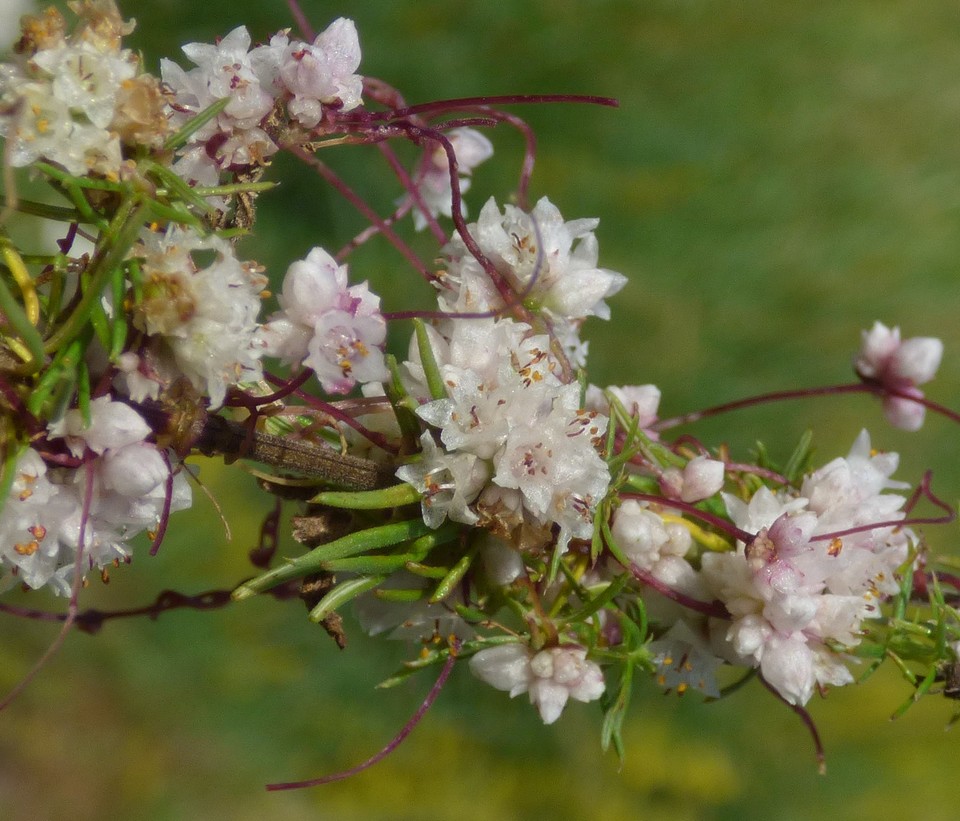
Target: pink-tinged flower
{"x": 322, "y": 73}
{"x": 551, "y": 677}
{"x": 700, "y": 479}
{"x": 334, "y": 329}
{"x": 900, "y": 366}
{"x": 641, "y": 401}
{"x": 794, "y": 598}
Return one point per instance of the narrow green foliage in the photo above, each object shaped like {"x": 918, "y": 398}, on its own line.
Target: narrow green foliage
{"x": 17, "y": 320}
{"x": 121, "y": 236}
{"x": 598, "y": 602}
{"x": 51, "y": 212}
{"x": 83, "y": 393}
{"x": 429, "y": 362}
{"x": 353, "y": 544}
{"x": 394, "y": 496}
{"x": 10, "y": 452}
{"x": 615, "y": 711}
{"x": 801, "y": 460}
{"x": 426, "y": 571}
{"x": 403, "y": 407}
{"x": 118, "y": 325}
{"x": 456, "y": 574}
{"x": 343, "y": 593}
{"x": 400, "y": 594}
{"x": 55, "y": 387}
{"x": 179, "y": 139}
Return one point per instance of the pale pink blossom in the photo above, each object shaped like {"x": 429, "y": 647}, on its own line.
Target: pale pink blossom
{"x": 899, "y": 366}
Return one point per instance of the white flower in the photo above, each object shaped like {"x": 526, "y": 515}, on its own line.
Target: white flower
{"x": 322, "y": 73}
{"x": 334, "y": 329}
{"x": 206, "y": 316}
{"x": 86, "y": 79}
{"x": 45, "y": 512}
{"x": 31, "y": 521}
{"x": 683, "y": 660}
{"x": 417, "y": 620}
{"x": 552, "y": 263}
{"x": 702, "y": 478}
{"x": 224, "y": 71}
{"x": 793, "y": 592}
{"x": 234, "y": 136}
{"x": 112, "y": 425}
{"x": 552, "y": 676}
{"x": 641, "y": 401}
{"x": 448, "y": 482}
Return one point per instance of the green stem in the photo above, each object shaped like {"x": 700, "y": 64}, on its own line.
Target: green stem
{"x": 175, "y": 141}
{"x": 118, "y": 240}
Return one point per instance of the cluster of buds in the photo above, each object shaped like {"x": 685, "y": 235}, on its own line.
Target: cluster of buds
{"x": 478, "y": 495}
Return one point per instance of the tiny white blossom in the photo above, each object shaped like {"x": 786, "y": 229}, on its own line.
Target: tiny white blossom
{"x": 551, "y": 677}
{"x": 448, "y": 482}
{"x": 207, "y": 317}
{"x": 551, "y": 262}
{"x": 322, "y": 73}
{"x": 335, "y": 329}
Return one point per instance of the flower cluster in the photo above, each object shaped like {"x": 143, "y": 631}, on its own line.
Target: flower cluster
{"x": 334, "y": 329}
{"x": 76, "y": 99}
{"x": 898, "y": 367}
{"x": 546, "y": 262}
{"x": 306, "y": 79}
{"x": 518, "y": 450}
{"x": 203, "y": 318}
{"x": 479, "y": 496}
{"x": 61, "y": 520}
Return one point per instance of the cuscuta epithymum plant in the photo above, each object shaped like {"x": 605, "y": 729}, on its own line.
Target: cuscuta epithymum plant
{"x": 478, "y": 495}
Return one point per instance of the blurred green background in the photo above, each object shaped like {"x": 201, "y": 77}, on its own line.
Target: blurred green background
{"x": 778, "y": 176}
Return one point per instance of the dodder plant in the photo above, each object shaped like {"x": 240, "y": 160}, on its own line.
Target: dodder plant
{"x": 478, "y": 495}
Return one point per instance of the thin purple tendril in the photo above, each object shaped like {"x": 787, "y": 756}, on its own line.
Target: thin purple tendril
{"x": 471, "y": 102}
{"x": 394, "y": 743}
{"x": 717, "y": 609}
{"x": 333, "y": 411}
{"x": 808, "y": 722}
{"x": 361, "y": 205}
{"x": 72, "y": 608}
{"x": 775, "y": 396}
{"x": 165, "y": 510}
{"x": 303, "y": 24}
{"x": 922, "y": 490}
{"x": 244, "y": 400}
